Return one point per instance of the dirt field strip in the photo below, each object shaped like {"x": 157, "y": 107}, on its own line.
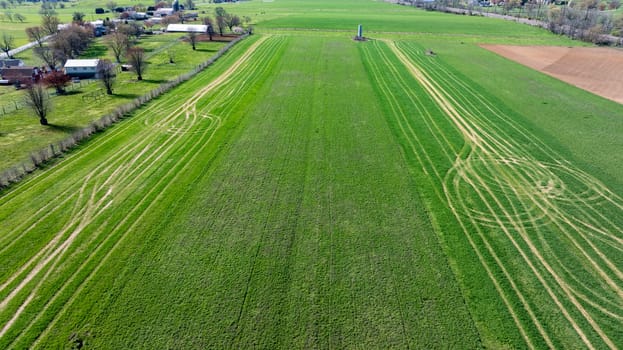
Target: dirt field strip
{"x": 539, "y": 200}
{"x": 593, "y": 69}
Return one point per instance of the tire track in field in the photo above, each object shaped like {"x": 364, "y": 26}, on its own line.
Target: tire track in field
{"x": 540, "y": 257}
{"x": 122, "y": 170}
{"x": 200, "y": 143}
{"x": 173, "y": 172}
{"x": 599, "y": 192}
{"x": 485, "y": 145}
{"x": 398, "y": 110}
{"x": 592, "y": 186}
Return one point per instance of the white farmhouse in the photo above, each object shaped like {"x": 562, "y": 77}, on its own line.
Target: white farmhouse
{"x": 82, "y": 68}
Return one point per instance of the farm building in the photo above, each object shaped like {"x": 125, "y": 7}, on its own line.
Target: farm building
{"x": 187, "y": 28}
{"x": 82, "y": 68}
{"x": 163, "y": 12}
{"x": 10, "y": 62}
{"x": 22, "y": 74}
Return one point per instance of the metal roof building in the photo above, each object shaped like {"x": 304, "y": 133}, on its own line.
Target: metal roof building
{"x": 187, "y": 28}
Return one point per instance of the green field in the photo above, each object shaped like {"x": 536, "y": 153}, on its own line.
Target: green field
{"x": 310, "y": 191}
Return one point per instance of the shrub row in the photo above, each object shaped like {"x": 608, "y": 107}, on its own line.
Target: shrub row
{"x": 41, "y": 157}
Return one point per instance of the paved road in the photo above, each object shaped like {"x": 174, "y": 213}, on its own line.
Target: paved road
{"x": 24, "y": 47}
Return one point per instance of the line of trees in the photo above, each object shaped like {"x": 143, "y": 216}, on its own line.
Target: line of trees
{"x": 10, "y": 16}
{"x": 583, "y": 20}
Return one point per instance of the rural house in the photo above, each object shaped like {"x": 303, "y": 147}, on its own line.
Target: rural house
{"x": 86, "y": 68}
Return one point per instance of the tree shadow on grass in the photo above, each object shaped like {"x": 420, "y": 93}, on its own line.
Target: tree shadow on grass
{"x": 95, "y": 51}
{"x": 129, "y": 96}
{"x": 68, "y": 129}
{"x": 155, "y": 81}
{"x": 207, "y": 50}
{"x": 69, "y": 93}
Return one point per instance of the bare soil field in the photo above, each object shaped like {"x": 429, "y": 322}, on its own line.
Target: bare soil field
{"x": 597, "y": 70}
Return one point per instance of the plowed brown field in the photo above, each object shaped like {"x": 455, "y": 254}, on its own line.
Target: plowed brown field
{"x": 598, "y": 70}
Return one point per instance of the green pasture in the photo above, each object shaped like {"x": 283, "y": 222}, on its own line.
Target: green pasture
{"x": 309, "y": 191}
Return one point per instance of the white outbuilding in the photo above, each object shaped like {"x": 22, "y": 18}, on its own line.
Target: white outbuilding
{"x": 86, "y": 68}
{"x": 163, "y": 12}
{"x": 187, "y": 28}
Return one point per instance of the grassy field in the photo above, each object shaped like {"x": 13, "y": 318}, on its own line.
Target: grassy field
{"x": 309, "y": 191}
{"x": 295, "y": 245}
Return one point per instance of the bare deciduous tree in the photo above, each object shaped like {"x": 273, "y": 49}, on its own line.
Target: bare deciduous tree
{"x": 47, "y": 55}
{"x": 192, "y": 39}
{"x": 36, "y": 34}
{"x": 132, "y": 29}
{"x": 72, "y": 41}
{"x": 107, "y": 74}
{"x": 220, "y": 14}
{"x": 37, "y": 99}
{"x": 50, "y": 24}
{"x": 136, "y": 57}
{"x": 221, "y": 23}
{"x": 210, "y": 25}
{"x": 118, "y": 43}
{"x": 233, "y": 20}
{"x": 6, "y": 45}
